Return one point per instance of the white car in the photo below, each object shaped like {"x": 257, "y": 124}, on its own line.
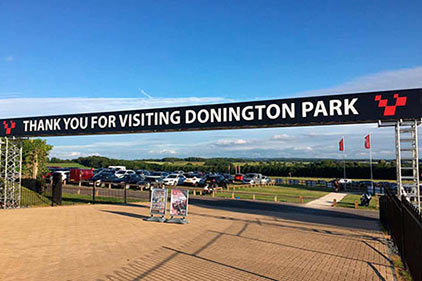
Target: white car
{"x": 192, "y": 180}
{"x": 265, "y": 180}
{"x": 122, "y": 173}
{"x": 172, "y": 179}
{"x": 64, "y": 175}
{"x": 252, "y": 178}
{"x": 344, "y": 181}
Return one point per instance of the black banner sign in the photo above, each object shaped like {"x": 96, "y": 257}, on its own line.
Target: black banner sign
{"x": 322, "y": 110}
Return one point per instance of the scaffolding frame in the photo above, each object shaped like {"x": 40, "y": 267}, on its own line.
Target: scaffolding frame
{"x": 10, "y": 172}
{"x": 407, "y": 159}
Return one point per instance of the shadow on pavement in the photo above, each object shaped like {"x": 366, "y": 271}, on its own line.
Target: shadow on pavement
{"x": 132, "y": 215}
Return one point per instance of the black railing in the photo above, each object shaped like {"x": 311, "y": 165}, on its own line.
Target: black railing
{"x": 404, "y": 223}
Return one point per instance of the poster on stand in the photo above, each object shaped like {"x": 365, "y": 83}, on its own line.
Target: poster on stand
{"x": 158, "y": 201}
{"x": 179, "y": 202}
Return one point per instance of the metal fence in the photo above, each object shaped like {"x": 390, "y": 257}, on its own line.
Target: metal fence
{"x": 82, "y": 194}
{"x": 404, "y": 223}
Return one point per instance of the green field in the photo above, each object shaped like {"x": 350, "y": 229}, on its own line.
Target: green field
{"x": 284, "y": 193}
{"x": 324, "y": 179}
{"x": 349, "y": 202}
{"x": 67, "y": 165}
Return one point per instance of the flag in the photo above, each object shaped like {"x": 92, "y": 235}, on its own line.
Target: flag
{"x": 341, "y": 145}
{"x": 368, "y": 142}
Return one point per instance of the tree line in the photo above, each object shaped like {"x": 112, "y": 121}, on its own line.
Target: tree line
{"x": 318, "y": 168}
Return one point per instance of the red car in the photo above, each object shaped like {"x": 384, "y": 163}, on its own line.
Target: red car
{"x": 77, "y": 175}
{"x": 238, "y": 177}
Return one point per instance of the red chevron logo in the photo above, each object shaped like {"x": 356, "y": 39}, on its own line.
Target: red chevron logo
{"x": 9, "y": 127}
{"x": 390, "y": 110}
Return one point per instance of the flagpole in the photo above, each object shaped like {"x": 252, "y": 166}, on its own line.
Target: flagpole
{"x": 344, "y": 159}
{"x": 370, "y": 164}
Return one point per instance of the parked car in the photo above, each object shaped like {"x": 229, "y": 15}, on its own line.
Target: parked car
{"x": 150, "y": 182}
{"x": 342, "y": 181}
{"x": 192, "y": 179}
{"x": 214, "y": 181}
{"x": 64, "y": 175}
{"x": 230, "y": 178}
{"x": 129, "y": 179}
{"x": 142, "y": 172}
{"x": 238, "y": 177}
{"x": 122, "y": 173}
{"x": 77, "y": 175}
{"x": 265, "y": 180}
{"x": 104, "y": 176}
{"x": 252, "y": 178}
{"x": 173, "y": 179}
{"x": 158, "y": 175}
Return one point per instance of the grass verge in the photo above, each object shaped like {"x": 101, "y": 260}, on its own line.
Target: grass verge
{"x": 349, "y": 202}
{"x": 284, "y": 193}
{"x": 401, "y": 272}
{"x": 67, "y": 165}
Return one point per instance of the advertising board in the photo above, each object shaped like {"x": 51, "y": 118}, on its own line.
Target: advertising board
{"x": 179, "y": 202}
{"x": 158, "y": 201}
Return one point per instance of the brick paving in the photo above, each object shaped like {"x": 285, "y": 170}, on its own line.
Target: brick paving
{"x": 112, "y": 242}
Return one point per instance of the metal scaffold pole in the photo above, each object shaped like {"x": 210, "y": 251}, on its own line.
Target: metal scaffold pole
{"x": 10, "y": 172}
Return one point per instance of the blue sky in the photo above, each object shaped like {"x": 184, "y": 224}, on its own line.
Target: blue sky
{"x": 82, "y": 56}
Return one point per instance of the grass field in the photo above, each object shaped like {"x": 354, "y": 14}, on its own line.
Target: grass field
{"x": 284, "y": 193}
{"x": 177, "y": 163}
{"x": 324, "y": 179}
{"x": 67, "y": 165}
{"x": 349, "y": 202}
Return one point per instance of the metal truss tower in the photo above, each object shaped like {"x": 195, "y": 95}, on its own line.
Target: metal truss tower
{"x": 10, "y": 172}
{"x": 407, "y": 160}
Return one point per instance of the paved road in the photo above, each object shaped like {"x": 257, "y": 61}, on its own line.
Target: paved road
{"x": 225, "y": 240}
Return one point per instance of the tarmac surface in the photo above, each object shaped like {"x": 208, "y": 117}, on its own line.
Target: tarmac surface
{"x": 225, "y": 240}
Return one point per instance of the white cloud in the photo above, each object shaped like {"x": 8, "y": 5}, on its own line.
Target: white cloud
{"x": 70, "y": 155}
{"x": 163, "y": 152}
{"x": 282, "y": 137}
{"x": 230, "y": 142}
{"x": 51, "y": 106}
{"x": 406, "y": 78}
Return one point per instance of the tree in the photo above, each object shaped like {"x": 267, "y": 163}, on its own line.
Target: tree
{"x": 35, "y": 157}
